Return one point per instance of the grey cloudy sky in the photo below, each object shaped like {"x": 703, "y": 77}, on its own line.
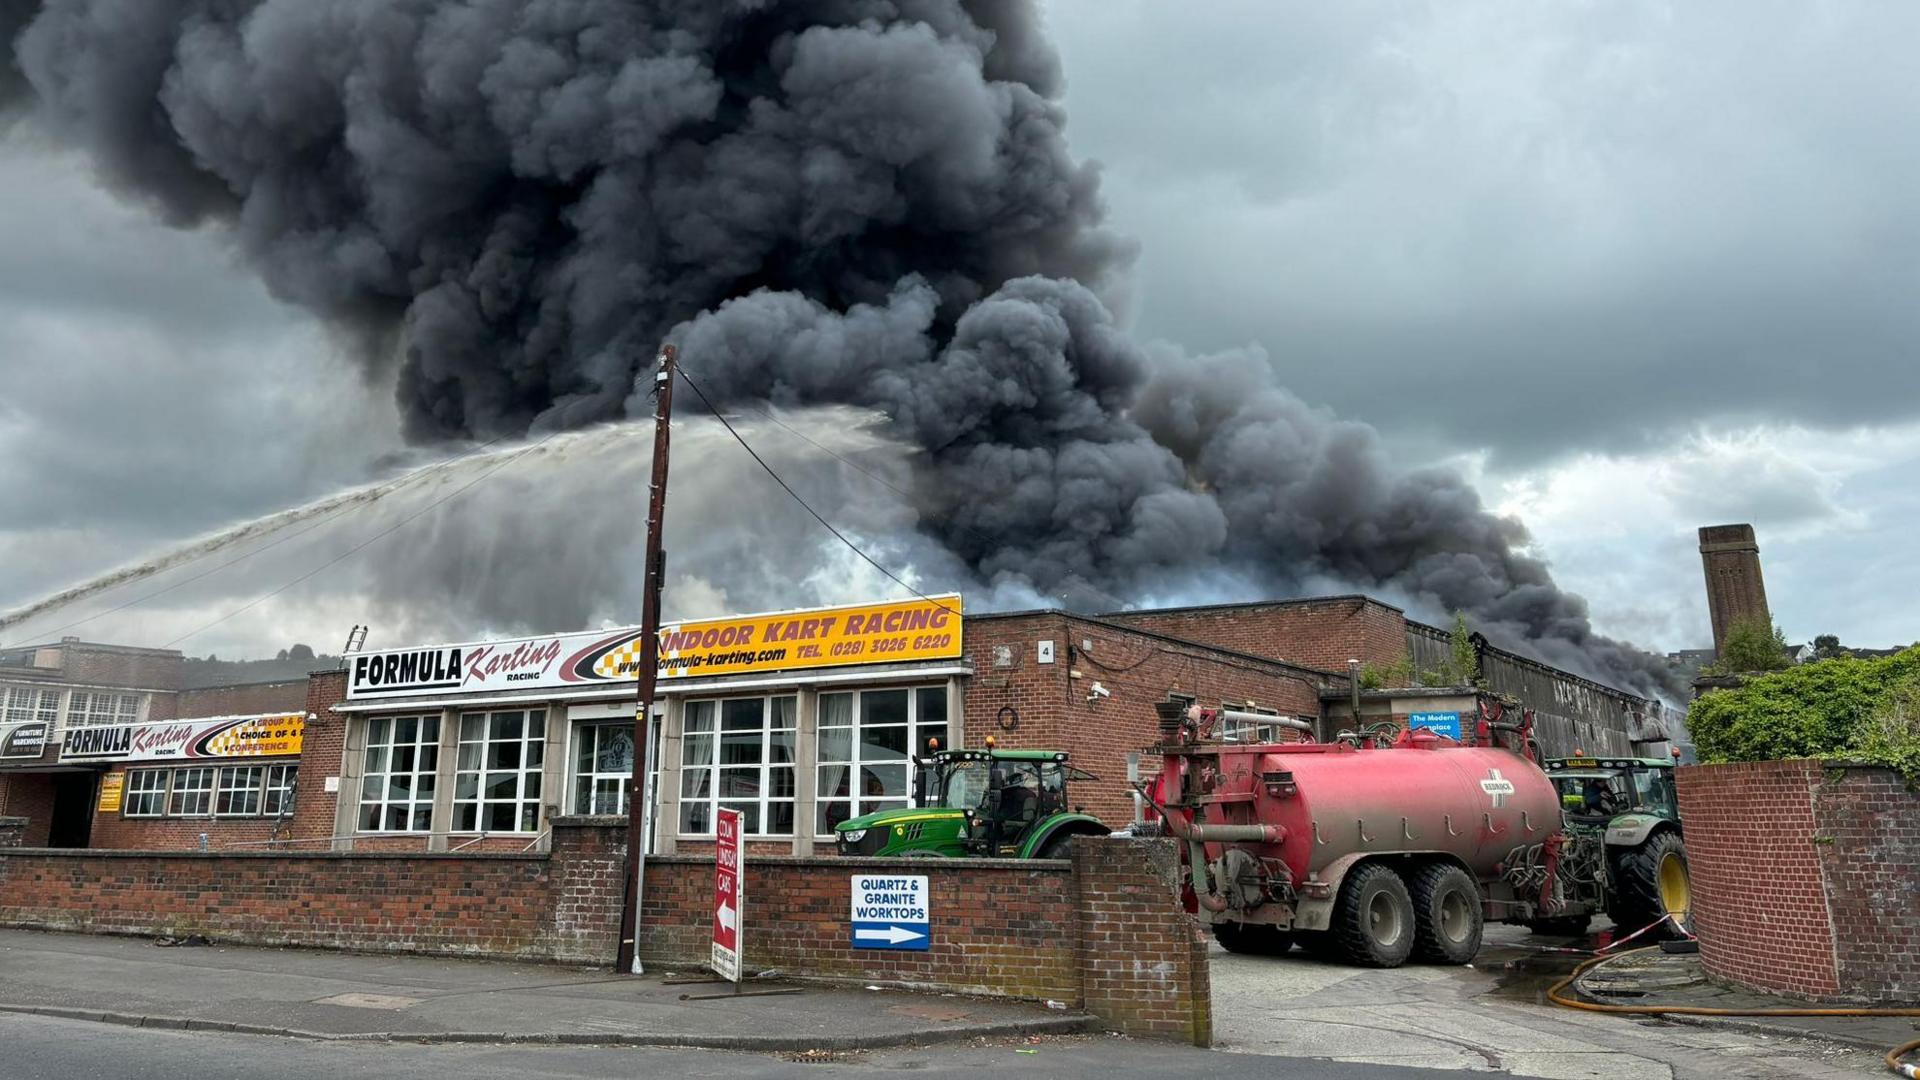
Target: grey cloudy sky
{"x": 1636, "y": 267}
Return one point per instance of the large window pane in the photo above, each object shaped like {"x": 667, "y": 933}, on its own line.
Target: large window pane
{"x": 883, "y": 707}
{"x": 497, "y": 786}
{"x": 397, "y": 785}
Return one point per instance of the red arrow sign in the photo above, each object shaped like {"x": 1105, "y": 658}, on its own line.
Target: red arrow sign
{"x": 727, "y": 895}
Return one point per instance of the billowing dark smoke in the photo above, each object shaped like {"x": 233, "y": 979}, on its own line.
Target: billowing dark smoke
{"x": 865, "y": 202}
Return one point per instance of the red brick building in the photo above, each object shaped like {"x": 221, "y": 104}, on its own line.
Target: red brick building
{"x": 798, "y": 719}
{"x": 65, "y": 708}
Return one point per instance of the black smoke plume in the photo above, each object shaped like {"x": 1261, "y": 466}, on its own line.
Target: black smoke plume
{"x": 866, "y": 202}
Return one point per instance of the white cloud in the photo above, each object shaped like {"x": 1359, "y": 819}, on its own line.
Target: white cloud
{"x": 1830, "y": 509}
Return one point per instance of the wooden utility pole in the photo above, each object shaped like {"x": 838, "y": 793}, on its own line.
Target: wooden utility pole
{"x": 637, "y": 794}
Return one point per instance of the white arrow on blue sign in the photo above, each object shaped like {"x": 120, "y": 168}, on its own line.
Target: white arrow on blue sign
{"x": 891, "y": 911}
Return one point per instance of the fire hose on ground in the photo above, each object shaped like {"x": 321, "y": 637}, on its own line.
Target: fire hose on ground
{"x": 1555, "y": 995}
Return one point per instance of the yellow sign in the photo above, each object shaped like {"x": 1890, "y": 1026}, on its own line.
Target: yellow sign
{"x": 259, "y": 737}
{"x": 111, "y": 785}
{"x": 921, "y": 629}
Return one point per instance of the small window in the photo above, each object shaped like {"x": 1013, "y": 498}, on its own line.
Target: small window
{"x": 192, "y": 792}
{"x": 277, "y": 800}
{"x": 239, "y": 791}
{"x": 146, "y": 793}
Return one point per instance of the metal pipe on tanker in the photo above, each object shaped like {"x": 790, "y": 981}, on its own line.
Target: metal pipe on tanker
{"x": 1244, "y": 717}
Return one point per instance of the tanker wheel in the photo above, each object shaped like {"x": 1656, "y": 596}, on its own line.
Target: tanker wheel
{"x": 1447, "y": 917}
{"x": 1652, "y": 882}
{"x": 1252, "y": 939}
{"x": 1373, "y": 920}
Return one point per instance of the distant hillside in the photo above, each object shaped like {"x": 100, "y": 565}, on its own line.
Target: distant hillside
{"x": 291, "y": 664}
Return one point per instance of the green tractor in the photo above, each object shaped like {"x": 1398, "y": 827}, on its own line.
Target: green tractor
{"x": 1625, "y": 810}
{"x": 987, "y": 803}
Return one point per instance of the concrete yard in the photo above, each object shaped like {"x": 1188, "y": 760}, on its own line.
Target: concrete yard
{"x": 1488, "y": 1018}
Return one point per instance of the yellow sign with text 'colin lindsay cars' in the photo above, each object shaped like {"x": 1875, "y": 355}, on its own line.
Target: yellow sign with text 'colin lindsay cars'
{"x": 918, "y": 629}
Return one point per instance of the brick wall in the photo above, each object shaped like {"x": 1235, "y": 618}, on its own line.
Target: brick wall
{"x": 1803, "y": 878}
{"x": 1104, "y": 932}
{"x": 29, "y": 796}
{"x": 475, "y": 905}
{"x": 1319, "y": 633}
{"x": 1868, "y": 841}
{"x": 1135, "y": 668}
{"x": 106, "y": 665}
{"x": 246, "y": 700}
{"x": 12, "y": 831}
{"x": 321, "y": 747}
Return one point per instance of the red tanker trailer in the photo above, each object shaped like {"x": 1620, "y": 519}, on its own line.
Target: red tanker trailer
{"x": 1365, "y": 849}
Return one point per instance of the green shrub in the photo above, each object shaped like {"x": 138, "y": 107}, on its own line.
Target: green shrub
{"x": 1753, "y": 644}
{"x": 1841, "y": 709}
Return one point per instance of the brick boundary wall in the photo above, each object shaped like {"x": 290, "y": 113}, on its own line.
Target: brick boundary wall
{"x": 1104, "y": 932}
{"x": 1804, "y": 878}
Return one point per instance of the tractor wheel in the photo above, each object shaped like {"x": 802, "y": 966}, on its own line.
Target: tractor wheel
{"x": 1650, "y": 883}
{"x": 1447, "y": 917}
{"x": 1252, "y": 939}
{"x": 1060, "y": 847}
{"x": 1560, "y": 925}
{"x": 1373, "y": 920}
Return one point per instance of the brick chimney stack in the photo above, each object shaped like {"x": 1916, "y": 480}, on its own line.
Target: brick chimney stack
{"x": 1735, "y": 590}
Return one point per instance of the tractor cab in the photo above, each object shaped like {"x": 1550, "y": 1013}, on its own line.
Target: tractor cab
{"x": 989, "y": 802}
{"x": 1594, "y": 791}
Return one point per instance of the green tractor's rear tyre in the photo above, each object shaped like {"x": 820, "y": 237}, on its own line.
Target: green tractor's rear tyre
{"x": 1373, "y": 920}
{"x": 1252, "y": 939}
{"x": 1652, "y": 882}
{"x": 1447, "y": 919}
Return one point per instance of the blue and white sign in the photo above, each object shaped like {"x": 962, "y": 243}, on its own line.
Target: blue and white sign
{"x": 891, "y": 911}
{"x": 1440, "y": 723}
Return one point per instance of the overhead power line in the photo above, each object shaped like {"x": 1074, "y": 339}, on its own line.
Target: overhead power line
{"x": 981, "y": 536}
{"x": 804, "y": 505}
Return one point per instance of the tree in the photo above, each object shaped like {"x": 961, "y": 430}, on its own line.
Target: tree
{"x": 1464, "y": 665}
{"x": 1752, "y": 645}
{"x": 1827, "y": 646}
{"x": 300, "y": 652}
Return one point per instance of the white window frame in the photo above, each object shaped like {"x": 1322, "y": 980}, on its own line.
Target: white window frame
{"x": 179, "y": 788}
{"x": 135, "y": 791}
{"x": 225, "y": 787}
{"x": 279, "y": 792}
{"x": 475, "y": 776}
{"x": 102, "y": 708}
{"x": 706, "y": 772}
{"x": 583, "y": 784}
{"x": 418, "y": 777}
{"x": 858, "y": 759}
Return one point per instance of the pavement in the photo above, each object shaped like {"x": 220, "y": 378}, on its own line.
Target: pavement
{"x": 1493, "y": 1017}
{"x": 45, "y": 1048}
{"x": 343, "y": 996}
{"x": 1653, "y": 978}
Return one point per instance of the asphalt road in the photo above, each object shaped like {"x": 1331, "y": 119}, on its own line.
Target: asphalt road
{"x": 44, "y": 1048}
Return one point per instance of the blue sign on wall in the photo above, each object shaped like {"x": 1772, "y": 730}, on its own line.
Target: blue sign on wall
{"x": 1440, "y": 723}
{"x": 891, "y": 912}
